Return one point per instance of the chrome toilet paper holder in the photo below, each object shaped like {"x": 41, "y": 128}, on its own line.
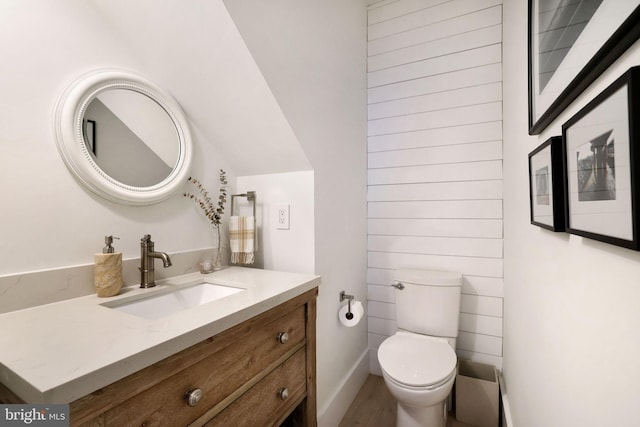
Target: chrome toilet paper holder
{"x": 349, "y": 298}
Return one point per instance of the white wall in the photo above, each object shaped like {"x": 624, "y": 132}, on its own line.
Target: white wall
{"x": 49, "y": 220}
{"x": 571, "y": 345}
{"x": 285, "y": 250}
{"x": 435, "y": 160}
{"x": 312, "y": 54}
{"x": 196, "y": 51}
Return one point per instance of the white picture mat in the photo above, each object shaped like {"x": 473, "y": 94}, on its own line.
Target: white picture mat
{"x": 607, "y": 217}
{"x": 605, "y": 21}
{"x": 542, "y": 213}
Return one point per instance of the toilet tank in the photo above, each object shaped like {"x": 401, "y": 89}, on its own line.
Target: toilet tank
{"x": 429, "y": 304}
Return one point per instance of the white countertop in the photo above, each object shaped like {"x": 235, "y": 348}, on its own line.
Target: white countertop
{"x": 59, "y": 352}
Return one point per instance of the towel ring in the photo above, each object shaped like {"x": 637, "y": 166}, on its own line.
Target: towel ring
{"x": 251, "y": 196}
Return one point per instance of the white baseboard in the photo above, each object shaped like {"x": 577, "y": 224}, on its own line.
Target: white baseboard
{"x": 333, "y": 411}
{"x": 506, "y": 409}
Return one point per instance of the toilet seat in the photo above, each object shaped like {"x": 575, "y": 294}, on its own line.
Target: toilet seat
{"x": 419, "y": 388}
{"x": 419, "y": 361}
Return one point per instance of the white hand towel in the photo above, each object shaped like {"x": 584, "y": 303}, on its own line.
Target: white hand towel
{"x": 242, "y": 239}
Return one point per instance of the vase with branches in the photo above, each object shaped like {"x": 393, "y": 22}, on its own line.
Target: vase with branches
{"x": 213, "y": 211}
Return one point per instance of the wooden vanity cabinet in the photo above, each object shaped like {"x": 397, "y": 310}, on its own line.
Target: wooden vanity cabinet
{"x": 258, "y": 373}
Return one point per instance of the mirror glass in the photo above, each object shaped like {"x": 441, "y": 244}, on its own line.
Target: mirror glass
{"x": 131, "y": 137}
{"x": 123, "y": 137}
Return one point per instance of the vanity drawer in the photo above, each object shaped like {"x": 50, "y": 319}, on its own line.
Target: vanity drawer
{"x": 245, "y": 359}
{"x": 266, "y": 404}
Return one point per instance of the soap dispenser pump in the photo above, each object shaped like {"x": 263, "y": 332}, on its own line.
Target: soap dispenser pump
{"x": 108, "y": 269}
{"x": 108, "y": 241}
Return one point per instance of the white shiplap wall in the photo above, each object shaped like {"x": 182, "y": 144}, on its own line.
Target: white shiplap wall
{"x": 435, "y": 160}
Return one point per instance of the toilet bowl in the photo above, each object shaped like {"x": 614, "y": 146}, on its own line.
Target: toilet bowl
{"x": 419, "y": 371}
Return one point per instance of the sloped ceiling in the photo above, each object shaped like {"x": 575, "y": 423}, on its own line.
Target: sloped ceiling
{"x": 194, "y": 50}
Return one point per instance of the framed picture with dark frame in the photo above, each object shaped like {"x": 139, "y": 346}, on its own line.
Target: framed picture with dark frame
{"x": 89, "y": 132}
{"x": 571, "y": 43}
{"x": 602, "y": 161}
{"x": 546, "y": 185}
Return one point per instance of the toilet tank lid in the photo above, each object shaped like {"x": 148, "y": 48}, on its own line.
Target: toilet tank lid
{"x": 427, "y": 277}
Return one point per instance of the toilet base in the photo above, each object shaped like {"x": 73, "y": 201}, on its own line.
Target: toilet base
{"x": 429, "y": 416}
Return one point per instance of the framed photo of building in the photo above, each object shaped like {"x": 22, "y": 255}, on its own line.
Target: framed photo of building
{"x": 546, "y": 185}
{"x": 89, "y": 134}
{"x": 602, "y": 157}
{"x": 571, "y": 43}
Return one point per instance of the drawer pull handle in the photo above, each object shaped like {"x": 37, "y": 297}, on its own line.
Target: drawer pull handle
{"x": 193, "y": 396}
{"x": 283, "y": 393}
{"x": 283, "y": 337}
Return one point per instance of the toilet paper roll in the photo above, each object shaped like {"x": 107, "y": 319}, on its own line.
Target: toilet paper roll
{"x": 356, "y": 309}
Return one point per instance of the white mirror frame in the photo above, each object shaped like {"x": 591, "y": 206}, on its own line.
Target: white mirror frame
{"x": 68, "y": 116}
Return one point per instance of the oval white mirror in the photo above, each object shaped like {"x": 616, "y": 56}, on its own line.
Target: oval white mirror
{"x": 123, "y": 137}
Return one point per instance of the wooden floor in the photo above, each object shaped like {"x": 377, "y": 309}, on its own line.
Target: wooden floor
{"x": 375, "y": 407}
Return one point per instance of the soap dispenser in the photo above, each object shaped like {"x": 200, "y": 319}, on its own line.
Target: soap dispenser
{"x": 108, "y": 270}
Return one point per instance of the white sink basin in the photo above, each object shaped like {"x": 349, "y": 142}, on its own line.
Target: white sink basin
{"x": 167, "y": 303}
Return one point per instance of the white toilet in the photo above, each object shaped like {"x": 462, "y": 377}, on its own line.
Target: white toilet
{"x": 419, "y": 362}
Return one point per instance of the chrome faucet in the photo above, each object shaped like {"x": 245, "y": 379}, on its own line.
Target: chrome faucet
{"x": 147, "y": 268}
